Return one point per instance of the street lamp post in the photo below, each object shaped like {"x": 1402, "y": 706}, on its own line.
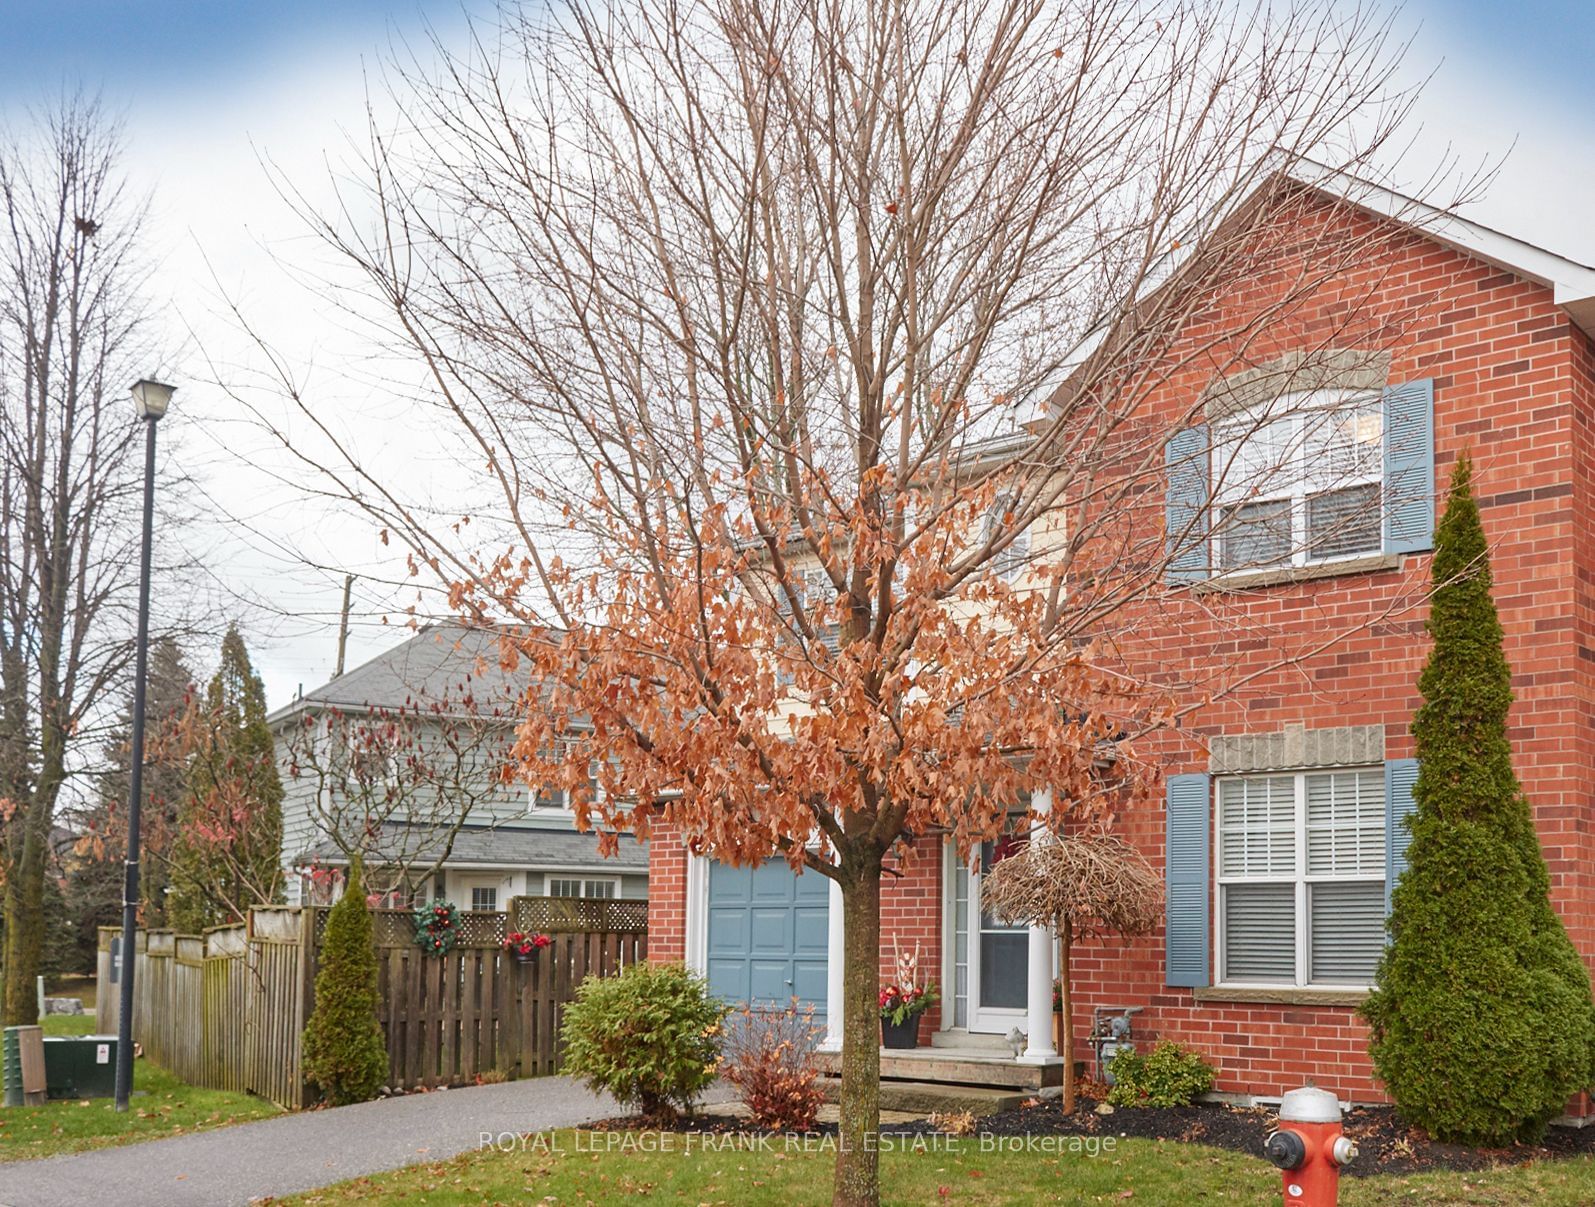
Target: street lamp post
{"x": 151, "y": 398}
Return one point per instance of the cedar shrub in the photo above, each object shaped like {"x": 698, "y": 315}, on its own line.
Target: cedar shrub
{"x": 1482, "y": 1022}
{"x": 345, "y": 1056}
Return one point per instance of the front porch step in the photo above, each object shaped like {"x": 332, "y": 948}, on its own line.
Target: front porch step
{"x": 946, "y": 1066}
{"x": 974, "y": 1041}
{"x": 922, "y": 1098}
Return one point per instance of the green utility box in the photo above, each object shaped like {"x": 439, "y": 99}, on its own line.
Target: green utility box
{"x": 80, "y": 1066}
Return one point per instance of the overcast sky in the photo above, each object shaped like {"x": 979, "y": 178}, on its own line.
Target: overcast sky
{"x": 210, "y": 88}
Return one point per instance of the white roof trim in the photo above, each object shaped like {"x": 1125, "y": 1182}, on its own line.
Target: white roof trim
{"x": 552, "y": 869}
{"x": 1572, "y": 284}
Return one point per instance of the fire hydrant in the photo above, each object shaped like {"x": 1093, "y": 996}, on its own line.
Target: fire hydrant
{"x": 1309, "y": 1147}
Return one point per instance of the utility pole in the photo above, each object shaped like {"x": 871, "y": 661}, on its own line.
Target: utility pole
{"x": 343, "y": 624}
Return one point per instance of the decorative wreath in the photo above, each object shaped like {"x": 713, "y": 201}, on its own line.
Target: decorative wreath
{"x": 437, "y": 927}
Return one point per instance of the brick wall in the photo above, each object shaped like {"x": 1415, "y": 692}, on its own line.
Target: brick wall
{"x": 667, "y": 896}
{"x": 1508, "y": 367}
{"x": 911, "y": 914}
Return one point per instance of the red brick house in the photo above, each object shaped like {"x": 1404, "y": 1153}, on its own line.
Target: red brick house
{"x": 1278, "y": 831}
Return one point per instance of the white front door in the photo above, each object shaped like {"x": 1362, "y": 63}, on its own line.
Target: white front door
{"x": 999, "y": 956}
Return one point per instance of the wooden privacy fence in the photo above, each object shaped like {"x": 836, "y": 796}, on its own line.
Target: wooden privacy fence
{"x": 227, "y": 1010}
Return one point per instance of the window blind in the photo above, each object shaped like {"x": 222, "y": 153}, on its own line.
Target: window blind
{"x": 1346, "y": 824}
{"x": 1260, "y": 933}
{"x": 1257, "y": 826}
{"x": 1347, "y": 931}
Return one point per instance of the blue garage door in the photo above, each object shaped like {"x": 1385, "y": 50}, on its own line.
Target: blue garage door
{"x": 767, "y": 935}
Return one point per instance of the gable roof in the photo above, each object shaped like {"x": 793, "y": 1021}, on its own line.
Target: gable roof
{"x": 504, "y": 844}
{"x": 442, "y": 662}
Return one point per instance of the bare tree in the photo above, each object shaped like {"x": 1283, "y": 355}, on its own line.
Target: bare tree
{"x": 397, "y": 783}
{"x": 800, "y": 359}
{"x": 72, "y": 332}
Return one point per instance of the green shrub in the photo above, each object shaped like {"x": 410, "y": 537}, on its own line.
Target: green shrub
{"x": 1169, "y": 1075}
{"x": 650, "y": 1037}
{"x": 1481, "y": 1024}
{"x": 345, "y": 1056}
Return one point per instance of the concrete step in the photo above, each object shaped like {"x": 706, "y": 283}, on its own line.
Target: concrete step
{"x": 971, "y": 1041}
{"x": 921, "y": 1098}
{"x": 956, "y": 1068}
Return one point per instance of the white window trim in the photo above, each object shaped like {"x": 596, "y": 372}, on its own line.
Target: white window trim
{"x": 1300, "y": 879}
{"x": 613, "y": 881}
{"x": 1221, "y": 459}
{"x": 458, "y": 887}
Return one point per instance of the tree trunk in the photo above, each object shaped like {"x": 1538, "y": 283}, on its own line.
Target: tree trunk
{"x": 857, "y": 1181}
{"x": 1066, "y": 1027}
{"x": 24, "y": 897}
{"x": 24, "y": 923}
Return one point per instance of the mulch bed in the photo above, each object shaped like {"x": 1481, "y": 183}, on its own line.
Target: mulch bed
{"x": 1385, "y": 1144}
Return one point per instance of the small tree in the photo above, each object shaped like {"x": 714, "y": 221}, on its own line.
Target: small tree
{"x": 226, "y": 855}
{"x": 344, "y": 1052}
{"x": 94, "y": 888}
{"x": 1482, "y": 1020}
{"x": 1078, "y": 886}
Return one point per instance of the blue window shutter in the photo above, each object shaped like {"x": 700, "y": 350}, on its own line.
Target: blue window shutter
{"x": 1400, "y": 776}
{"x": 1186, "y": 513}
{"x": 1409, "y": 467}
{"x": 1185, "y": 880}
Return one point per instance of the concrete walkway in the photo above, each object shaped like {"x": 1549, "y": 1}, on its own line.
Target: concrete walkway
{"x": 294, "y": 1153}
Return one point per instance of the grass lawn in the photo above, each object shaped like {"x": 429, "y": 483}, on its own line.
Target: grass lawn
{"x": 581, "y": 1167}
{"x": 69, "y": 1024}
{"x": 167, "y": 1107}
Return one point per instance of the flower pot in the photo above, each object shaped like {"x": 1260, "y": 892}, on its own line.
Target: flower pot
{"x": 529, "y": 957}
{"x": 900, "y": 1035}
{"x": 1057, "y": 1033}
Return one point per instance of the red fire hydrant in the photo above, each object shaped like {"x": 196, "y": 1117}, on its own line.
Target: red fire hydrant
{"x": 1310, "y": 1148}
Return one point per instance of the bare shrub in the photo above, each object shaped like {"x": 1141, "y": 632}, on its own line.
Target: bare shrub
{"x": 769, "y": 1057}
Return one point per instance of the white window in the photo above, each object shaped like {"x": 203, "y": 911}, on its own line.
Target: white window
{"x": 1301, "y": 878}
{"x": 1011, "y": 559}
{"x": 559, "y": 886}
{"x": 484, "y": 898}
{"x": 1299, "y": 482}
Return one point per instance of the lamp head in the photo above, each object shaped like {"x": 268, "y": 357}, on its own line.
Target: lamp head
{"x": 151, "y": 397}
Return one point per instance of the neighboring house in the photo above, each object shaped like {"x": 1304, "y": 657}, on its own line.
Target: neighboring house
{"x": 402, "y": 757}
{"x": 1278, "y": 832}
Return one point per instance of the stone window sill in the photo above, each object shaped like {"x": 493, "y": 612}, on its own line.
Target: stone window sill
{"x": 1274, "y": 576}
{"x": 1282, "y": 997}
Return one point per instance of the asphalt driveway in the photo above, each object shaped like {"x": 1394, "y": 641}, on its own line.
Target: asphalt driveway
{"x": 293, "y": 1153}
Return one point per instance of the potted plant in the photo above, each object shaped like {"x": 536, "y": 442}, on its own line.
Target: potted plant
{"x": 525, "y": 947}
{"x": 902, "y": 1001}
